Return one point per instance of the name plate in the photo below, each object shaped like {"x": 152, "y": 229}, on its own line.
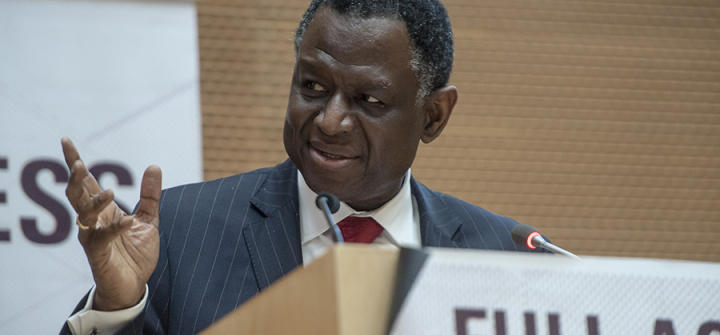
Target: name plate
{"x": 507, "y": 293}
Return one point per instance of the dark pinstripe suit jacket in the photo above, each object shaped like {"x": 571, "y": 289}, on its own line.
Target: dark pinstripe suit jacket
{"x": 223, "y": 241}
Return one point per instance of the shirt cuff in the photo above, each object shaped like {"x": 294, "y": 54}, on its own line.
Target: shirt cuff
{"x": 89, "y": 321}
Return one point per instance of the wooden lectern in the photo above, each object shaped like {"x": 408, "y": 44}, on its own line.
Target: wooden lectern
{"x": 348, "y": 291}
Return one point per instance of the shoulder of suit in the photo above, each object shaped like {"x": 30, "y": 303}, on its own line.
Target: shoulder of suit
{"x": 464, "y": 209}
{"x": 262, "y": 172}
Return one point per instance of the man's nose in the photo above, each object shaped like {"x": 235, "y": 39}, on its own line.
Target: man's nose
{"x": 336, "y": 117}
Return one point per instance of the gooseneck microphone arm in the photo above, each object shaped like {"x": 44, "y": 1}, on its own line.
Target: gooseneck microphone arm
{"x": 527, "y": 236}
{"x": 540, "y": 242}
{"x": 330, "y": 204}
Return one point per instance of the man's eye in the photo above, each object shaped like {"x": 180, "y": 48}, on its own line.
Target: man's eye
{"x": 369, "y": 98}
{"x": 315, "y": 86}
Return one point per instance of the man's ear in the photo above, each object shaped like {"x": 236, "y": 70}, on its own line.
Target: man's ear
{"x": 439, "y": 106}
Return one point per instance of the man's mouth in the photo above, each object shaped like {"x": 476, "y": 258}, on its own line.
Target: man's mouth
{"x": 336, "y": 159}
{"x": 331, "y": 156}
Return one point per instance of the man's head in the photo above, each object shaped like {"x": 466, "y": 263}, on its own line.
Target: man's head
{"x": 353, "y": 120}
{"x": 427, "y": 24}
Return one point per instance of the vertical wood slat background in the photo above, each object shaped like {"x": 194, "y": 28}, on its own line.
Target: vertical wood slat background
{"x": 596, "y": 121}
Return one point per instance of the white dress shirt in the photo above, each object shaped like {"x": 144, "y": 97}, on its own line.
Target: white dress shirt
{"x": 399, "y": 217}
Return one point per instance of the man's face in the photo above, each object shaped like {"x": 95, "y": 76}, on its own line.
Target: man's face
{"x": 352, "y": 125}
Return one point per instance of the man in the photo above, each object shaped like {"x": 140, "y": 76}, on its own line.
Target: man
{"x": 370, "y": 83}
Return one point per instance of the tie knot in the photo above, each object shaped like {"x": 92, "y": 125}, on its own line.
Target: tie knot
{"x": 359, "y": 229}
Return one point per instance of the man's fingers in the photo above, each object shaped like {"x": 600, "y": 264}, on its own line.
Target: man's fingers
{"x": 102, "y": 236}
{"x": 100, "y": 201}
{"x": 150, "y": 192}
{"x": 81, "y": 185}
{"x": 70, "y": 152}
{"x": 86, "y": 197}
{"x": 75, "y": 190}
{"x": 89, "y": 213}
{"x": 78, "y": 170}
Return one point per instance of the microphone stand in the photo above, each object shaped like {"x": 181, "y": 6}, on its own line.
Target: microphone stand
{"x": 322, "y": 202}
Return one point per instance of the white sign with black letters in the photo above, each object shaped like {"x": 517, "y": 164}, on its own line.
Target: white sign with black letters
{"x": 504, "y": 293}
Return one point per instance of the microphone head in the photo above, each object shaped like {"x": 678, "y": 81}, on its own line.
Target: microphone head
{"x": 332, "y": 201}
{"x": 522, "y": 235}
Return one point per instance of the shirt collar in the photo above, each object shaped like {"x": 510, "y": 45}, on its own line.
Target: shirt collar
{"x": 395, "y": 216}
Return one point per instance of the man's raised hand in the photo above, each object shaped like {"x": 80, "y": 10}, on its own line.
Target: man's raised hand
{"x": 122, "y": 249}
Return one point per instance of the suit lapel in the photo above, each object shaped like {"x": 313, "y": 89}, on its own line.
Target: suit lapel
{"x": 274, "y": 242}
{"x": 438, "y": 223}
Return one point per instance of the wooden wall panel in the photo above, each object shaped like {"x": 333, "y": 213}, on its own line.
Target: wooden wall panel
{"x": 596, "y": 121}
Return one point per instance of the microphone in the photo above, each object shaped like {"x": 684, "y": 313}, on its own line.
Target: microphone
{"x": 330, "y": 204}
{"x": 527, "y": 236}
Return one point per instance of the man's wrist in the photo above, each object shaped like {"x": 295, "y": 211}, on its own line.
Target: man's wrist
{"x": 102, "y": 303}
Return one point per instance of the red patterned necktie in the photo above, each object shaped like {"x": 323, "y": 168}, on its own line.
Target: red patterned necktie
{"x": 359, "y": 229}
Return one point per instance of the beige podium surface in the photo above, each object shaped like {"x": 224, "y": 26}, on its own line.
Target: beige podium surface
{"x": 348, "y": 291}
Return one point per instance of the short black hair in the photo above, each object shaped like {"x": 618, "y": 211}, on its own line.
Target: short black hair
{"x": 428, "y": 26}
